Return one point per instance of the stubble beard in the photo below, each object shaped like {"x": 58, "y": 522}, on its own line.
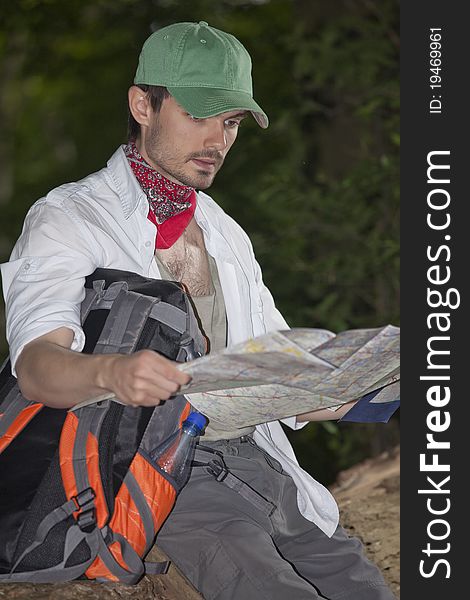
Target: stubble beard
{"x": 157, "y": 150}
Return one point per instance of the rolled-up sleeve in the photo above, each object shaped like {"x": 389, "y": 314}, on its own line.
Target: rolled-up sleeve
{"x": 43, "y": 283}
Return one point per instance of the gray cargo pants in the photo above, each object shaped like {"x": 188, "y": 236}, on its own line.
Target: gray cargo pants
{"x": 231, "y": 550}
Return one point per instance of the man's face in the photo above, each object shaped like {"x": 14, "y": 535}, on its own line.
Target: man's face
{"x": 187, "y": 150}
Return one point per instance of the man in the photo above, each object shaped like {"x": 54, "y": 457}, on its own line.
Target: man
{"x": 275, "y": 532}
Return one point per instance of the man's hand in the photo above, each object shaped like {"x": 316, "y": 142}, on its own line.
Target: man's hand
{"x": 50, "y": 373}
{"x": 144, "y": 378}
{"x": 323, "y": 414}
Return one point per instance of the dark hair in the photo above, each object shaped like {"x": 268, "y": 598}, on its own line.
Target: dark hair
{"x": 156, "y": 94}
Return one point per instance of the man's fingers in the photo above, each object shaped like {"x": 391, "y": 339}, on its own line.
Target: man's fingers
{"x": 146, "y": 378}
{"x": 167, "y": 369}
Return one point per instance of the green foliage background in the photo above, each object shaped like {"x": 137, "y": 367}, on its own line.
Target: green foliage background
{"x": 317, "y": 191}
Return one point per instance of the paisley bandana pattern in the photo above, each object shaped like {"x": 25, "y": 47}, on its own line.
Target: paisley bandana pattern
{"x": 171, "y": 205}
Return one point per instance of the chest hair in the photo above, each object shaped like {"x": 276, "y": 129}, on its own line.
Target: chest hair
{"x": 187, "y": 261}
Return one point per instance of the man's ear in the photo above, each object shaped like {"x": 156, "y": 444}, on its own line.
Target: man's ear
{"x": 139, "y": 106}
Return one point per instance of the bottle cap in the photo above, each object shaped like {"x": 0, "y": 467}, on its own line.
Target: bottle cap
{"x": 197, "y": 419}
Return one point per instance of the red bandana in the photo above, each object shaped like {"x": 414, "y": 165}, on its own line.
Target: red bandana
{"x": 172, "y": 205}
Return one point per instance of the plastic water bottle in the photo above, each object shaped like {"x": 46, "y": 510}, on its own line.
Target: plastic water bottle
{"x": 175, "y": 454}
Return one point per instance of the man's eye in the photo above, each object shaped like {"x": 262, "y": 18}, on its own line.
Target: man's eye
{"x": 232, "y": 123}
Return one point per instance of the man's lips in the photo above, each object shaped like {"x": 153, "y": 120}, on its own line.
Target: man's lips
{"x": 208, "y": 163}
{"x": 205, "y": 163}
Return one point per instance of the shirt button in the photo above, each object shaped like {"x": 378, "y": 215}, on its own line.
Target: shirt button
{"x": 147, "y": 244}
{"x": 26, "y": 267}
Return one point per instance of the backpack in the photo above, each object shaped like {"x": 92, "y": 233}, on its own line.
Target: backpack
{"x": 79, "y": 496}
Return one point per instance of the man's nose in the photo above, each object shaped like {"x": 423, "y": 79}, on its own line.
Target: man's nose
{"x": 216, "y": 137}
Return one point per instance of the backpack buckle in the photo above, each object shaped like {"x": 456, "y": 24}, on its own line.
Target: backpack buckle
{"x": 86, "y": 520}
{"x": 85, "y": 502}
{"x": 217, "y": 469}
{"x": 85, "y": 498}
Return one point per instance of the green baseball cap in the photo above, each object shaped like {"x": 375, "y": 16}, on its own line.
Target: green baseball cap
{"x": 207, "y": 71}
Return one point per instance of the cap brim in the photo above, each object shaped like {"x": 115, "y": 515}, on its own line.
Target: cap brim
{"x": 209, "y": 102}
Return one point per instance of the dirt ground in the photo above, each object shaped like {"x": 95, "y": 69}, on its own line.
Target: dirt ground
{"x": 368, "y": 495}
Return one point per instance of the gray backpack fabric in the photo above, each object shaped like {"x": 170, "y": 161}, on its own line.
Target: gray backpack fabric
{"x": 79, "y": 495}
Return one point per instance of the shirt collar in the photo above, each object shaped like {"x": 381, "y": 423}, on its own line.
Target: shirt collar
{"x": 133, "y": 198}
{"x": 130, "y": 193}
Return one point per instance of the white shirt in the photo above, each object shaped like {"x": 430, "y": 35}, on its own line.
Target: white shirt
{"x": 101, "y": 221}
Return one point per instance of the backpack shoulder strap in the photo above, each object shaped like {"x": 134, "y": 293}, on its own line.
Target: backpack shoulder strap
{"x": 15, "y": 413}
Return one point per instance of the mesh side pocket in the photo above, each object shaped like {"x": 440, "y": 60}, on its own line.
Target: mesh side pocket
{"x": 49, "y": 496}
